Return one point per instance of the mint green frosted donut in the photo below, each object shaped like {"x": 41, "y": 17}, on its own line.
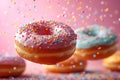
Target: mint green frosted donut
{"x": 94, "y": 35}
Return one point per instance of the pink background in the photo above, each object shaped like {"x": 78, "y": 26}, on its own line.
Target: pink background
{"x": 76, "y": 13}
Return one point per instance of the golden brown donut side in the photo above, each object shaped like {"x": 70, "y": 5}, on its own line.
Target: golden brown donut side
{"x": 72, "y": 64}
{"x": 9, "y": 70}
{"x": 44, "y": 56}
{"x": 113, "y": 62}
{"x": 97, "y": 52}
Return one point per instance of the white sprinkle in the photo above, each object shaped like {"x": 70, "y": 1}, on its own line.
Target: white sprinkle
{"x": 99, "y": 48}
{"x": 102, "y": 2}
{"x": 87, "y": 6}
{"x": 58, "y": 16}
{"x": 94, "y": 55}
{"x": 81, "y": 63}
{"x": 72, "y": 13}
{"x": 118, "y": 19}
{"x": 14, "y": 68}
{"x": 57, "y": 65}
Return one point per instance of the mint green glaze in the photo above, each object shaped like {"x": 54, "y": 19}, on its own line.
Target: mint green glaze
{"x": 94, "y": 35}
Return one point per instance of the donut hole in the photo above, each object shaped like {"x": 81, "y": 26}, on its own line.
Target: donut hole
{"x": 43, "y": 31}
{"x": 90, "y": 32}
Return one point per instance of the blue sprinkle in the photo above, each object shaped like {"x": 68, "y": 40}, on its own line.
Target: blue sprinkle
{"x": 41, "y": 43}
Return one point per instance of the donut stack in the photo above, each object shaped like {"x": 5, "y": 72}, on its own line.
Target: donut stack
{"x": 112, "y": 63}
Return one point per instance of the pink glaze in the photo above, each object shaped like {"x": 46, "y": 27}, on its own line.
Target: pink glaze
{"x": 11, "y": 60}
{"x": 46, "y": 35}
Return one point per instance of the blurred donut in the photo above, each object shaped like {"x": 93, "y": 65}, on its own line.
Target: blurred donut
{"x": 73, "y": 64}
{"x": 95, "y": 42}
{"x": 11, "y": 66}
{"x": 113, "y": 62}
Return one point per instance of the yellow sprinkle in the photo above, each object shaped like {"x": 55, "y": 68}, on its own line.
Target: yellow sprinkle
{"x": 106, "y": 9}
{"x": 51, "y": 22}
{"x": 67, "y": 23}
{"x": 68, "y": 2}
{"x": 73, "y": 18}
{"x": 101, "y": 17}
{"x": 14, "y": 3}
{"x": 79, "y": 8}
{"x": 83, "y": 21}
{"x": 98, "y": 53}
{"x": 16, "y": 25}
{"x": 50, "y": 7}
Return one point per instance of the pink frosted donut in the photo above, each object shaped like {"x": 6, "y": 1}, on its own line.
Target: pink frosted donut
{"x": 45, "y": 42}
{"x": 11, "y": 66}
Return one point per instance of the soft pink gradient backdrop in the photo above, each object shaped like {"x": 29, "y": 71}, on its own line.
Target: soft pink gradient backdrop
{"x": 76, "y": 13}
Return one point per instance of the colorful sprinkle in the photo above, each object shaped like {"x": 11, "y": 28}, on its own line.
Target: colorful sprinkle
{"x": 73, "y": 18}
{"x": 81, "y": 63}
{"x": 79, "y": 8}
{"x": 68, "y": 2}
{"x": 106, "y": 9}
{"x": 14, "y": 3}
